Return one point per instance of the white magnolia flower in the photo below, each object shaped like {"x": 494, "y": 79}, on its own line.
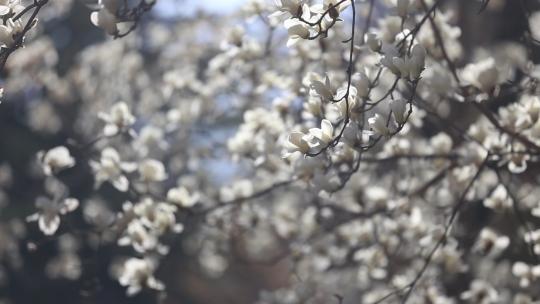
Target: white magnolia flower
{"x": 10, "y": 7}
{"x": 409, "y": 67}
{"x": 140, "y": 237}
{"x": 106, "y": 20}
{"x": 118, "y": 120}
{"x": 49, "y": 213}
{"x": 297, "y": 142}
{"x": 325, "y": 134}
{"x": 159, "y": 217}
{"x": 403, "y": 65}
{"x": 148, "y": 138}
{"x": 297, "y": 30}
{"x": 323, "y": 89}
{"x": 292, "y": 7}
{"x": 111, "y": 168}
{"x": 182, "y": 197}
{"x": 378, "y": 125}
{"x": 499, "y": 200}
{"x": 362, "y": 84}
{"x": 338, "y": 5}
{"x": 490, "y": 244}
{"x": 483, "y": 75}
{"x": 137, "y": 274}
{"x": 9, "y": 31}
{"x": 152, "y": 170}
{"x": 56, "y": 159}
{"x": 399, "y": 108}
{"x": 417, "y": 61}
{"x": 517, "y": 162}
{"x": 441, "y": 143}
{"x": 238, "y": 189}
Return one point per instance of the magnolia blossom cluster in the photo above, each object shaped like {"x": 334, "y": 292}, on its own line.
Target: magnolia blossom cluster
{"x": 12, "y": 26}
{"x": 345, "y": 151}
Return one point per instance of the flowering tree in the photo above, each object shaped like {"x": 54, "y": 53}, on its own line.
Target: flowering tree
{"x": 336, "y": 151}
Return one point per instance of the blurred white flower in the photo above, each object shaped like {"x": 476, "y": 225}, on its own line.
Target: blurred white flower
{"x": 483, "y": 75}
{"x": 141, "y": 238}
{"x": 182, "y": 197}
{"x": 409, "y": 67}
{"x": 323, "y": 89}
{"x": 118, "y": 120}
{"x": 293, "y": 7}
{"x": 378, "y": 125}
{"x": 158, "y": 217}
{"x": 137, "y": 274}
{"x": 399, "y": 108}
{"x": 490, "y": 244}
{"x": 499, "y": 200}
{"x": 480, "y": 292}
{"x": 49, "y": 213}
{"x": 10, "y": 7}
{"x": 111, "y": 168}
{"x": 362, "y": 84}
{"x": 525, "y": 273}
{"x": 55, "y": 160}
{"x": 151, "y": 170}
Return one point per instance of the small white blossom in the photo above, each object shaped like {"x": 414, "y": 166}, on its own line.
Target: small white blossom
{"x": 111, "y": 168}
{"x": 399, "y": 108}
{"x": 152, "y": 170}
{"x": 137, "y": 274}
{"x": 499, "y": 200}
{"x": 490, "y": 244}
{"x": 297, "y": 30}
{"x": 324, "y": 135}
{"x": 10, "y": 7}
{"x": 533, "y": 238}
{"x": 362, "y": 84}
{"x": 56, "y": 159}
{"x": 297, "y": 143}
{"x": 9, "y": 32}
{"x": 182, "y": 197}
{"x": 484, "y": 75}
{"x": 118, "y": 120}
{"x": 159, "y": 217}
{"x": 293, "y": 7}
{"x": 49, "y": 213}
{"x": 323, "y": 89}
{"x": 378, "y": 125}
{"x": 139, "y": 237}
